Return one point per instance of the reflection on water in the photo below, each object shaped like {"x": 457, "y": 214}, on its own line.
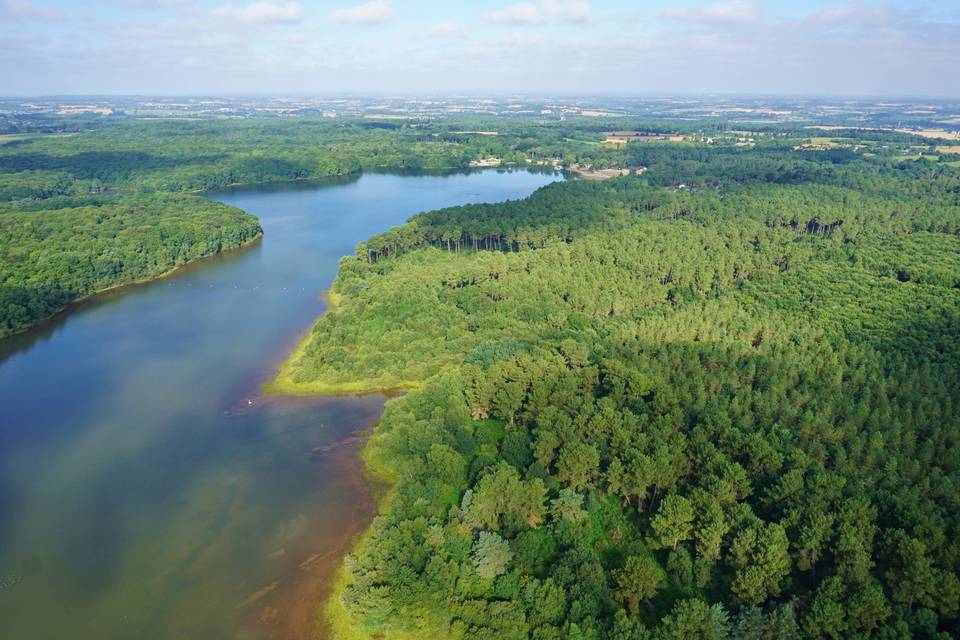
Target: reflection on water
{"x": 146, "y": 489}
{"x": 48, "y": 328}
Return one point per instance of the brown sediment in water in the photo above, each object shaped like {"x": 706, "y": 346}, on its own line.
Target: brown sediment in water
{"x": 345, "y": 442}
{"x": 289, "y": 609}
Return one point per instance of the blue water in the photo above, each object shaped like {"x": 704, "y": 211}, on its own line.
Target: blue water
{"x": 146, "y": 489}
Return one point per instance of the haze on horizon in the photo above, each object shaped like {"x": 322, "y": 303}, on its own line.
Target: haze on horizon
{"x": 821, "y": 47}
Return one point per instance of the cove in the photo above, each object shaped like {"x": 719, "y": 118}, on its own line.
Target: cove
{"x": 147, "y": 490}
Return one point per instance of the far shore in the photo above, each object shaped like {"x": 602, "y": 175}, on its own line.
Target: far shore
{"x": 102, "y": 294}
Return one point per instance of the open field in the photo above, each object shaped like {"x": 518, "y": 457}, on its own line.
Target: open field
{"x": 623, "y": 137}
{"x": 821, "y": 142}
{"x": 934, "y": 134}
{"x": 603, "y": 174}
{"x": 931, "y": 158}
{"x": 831, "y": 127}
{"x": 485, "y": 162}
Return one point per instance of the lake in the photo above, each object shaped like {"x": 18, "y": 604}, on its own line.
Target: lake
{"x": 146, "y": 489}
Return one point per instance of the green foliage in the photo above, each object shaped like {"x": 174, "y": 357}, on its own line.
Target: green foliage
{"x": 721, "y": 400}
{"x": 674, "y": 521}
{"x": 640, "y": 579}
{"x": 762, "y": 552}
{"x": 491, "y": 555}
{"x": 56, "y": 251}
{"x": 779, "y": 624}
{"x": 693, "y": 618}
{"x": 727, "y": 387}
{"x": 181, "y": 155}
{"x": 502, "y": 498}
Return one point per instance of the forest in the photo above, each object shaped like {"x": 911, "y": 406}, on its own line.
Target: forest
{"x": 88, "y": 205}
{"x": 713, "y": 399}
{"x": 62, "y": 178}
{"x": 200, "y": 155}
{"x": 716, "y": 400}
{"x": 58, "y": 250}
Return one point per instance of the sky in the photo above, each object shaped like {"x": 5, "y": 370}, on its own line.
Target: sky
{"x": 535, "y": 47}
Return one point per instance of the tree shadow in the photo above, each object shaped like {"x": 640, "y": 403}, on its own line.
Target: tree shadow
{"x": 44, "y": 329}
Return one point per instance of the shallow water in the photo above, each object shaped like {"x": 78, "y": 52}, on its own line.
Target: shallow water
{"x": 146, "y": 489}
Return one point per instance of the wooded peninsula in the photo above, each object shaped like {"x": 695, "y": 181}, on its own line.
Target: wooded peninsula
{"x": 715, "y": 400}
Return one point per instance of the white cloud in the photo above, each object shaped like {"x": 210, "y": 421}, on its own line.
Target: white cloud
{"x": 734, "y": 11}
{"x": 25, "y": 10}
{"x": 838, "y": 47}
{"x": 856, "y": 14}
{"x": 520, "y": 13}
{"x": 544, "y": 11}
{"x": 282, "y": 11}
{"x": 508, "y": 47}
{"x": 567, "y": 10}
{"x": 447, "y": 29}
{"x": 372, "y": 12}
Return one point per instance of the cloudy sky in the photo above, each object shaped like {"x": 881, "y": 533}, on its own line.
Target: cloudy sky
{"x": 624, "y": 47}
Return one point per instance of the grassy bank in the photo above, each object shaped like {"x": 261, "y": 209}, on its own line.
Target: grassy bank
{"x": 286, "y": 384}
{"x": 333, "y": 619}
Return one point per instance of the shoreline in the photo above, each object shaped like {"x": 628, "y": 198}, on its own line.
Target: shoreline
{"x": 280, "y": 384}
{"x": 291, "y": 612}
{"x": 327, "y": 618}
{"x": 350, "y": 176}
{"x": 330, "y": 619}
{"x": 331, "y": 615}
{"x": 95, "y": 296}
{"x": 274, "y": 387}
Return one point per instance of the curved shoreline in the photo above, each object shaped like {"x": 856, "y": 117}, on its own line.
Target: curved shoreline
{"x": 282, "y": 384}
{"x": 327, "y": 618}
{"x": 317, "y": 578}
{"x": 99, "y": 294}
{"x": 331, "y": 619}
{"x": 342, "y": 510}
{"x": 274, "y": 387}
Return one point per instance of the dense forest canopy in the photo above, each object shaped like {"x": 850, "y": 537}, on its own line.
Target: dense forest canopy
{"x": 715, "y": 400}
{"x": 59, "y": 250}
{"x": 195, "y": 155}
